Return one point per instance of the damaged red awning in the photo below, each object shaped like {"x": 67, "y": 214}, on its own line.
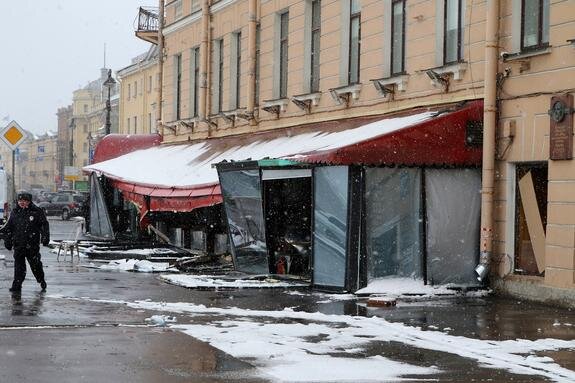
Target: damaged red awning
{"x": 182, "y": 177}
{"x": 116, "y": 145}
{"x": 169, "y": 199}
{"x": 438, "y": 141}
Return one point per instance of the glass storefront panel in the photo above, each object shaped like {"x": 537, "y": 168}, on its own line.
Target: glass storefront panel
{"x": 453, "y": 206}
{"x": 243, "y": 203}
{"x": 393, "y": 222}
{"x": 330, "y": 225}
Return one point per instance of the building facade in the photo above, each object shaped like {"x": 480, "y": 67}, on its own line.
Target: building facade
{"x": 237, "y": 68}
{"x": 64, "y": 149}
{"x": 138, "y": 94}
{"x": 535, "y": 226}
{"x": 36, "y": 165}
{"x": 87, "y": 125}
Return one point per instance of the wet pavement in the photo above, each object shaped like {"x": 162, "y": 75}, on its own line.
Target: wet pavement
{"x": 45, "y": 338}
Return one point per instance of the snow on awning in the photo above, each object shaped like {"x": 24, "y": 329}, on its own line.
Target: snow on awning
{"x": 185, "y": 171}
{"x": 439, "y": 140}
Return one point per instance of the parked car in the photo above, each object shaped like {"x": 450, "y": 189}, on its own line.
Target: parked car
{"x": 65, "y": 205}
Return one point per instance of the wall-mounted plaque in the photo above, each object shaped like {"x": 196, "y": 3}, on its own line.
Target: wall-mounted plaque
{"x": 561, "y": 127}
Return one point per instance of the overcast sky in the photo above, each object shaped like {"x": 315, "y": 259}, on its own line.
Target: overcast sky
{"x": 52, "y": 47}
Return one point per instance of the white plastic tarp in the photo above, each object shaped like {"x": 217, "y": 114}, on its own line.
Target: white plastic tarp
{"x": 453, "y": 205}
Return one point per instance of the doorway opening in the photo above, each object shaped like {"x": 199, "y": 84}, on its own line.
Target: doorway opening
{"x": 530, "y": 219}
{"x": 287, "y": 206}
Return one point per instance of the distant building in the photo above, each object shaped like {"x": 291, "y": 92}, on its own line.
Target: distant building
{"x": 88, "y": 123}
{"x": 138, "y": 94}
{"x": 64, "y": 148}
{"x": 35, "y": 162}
{"x": 42, "y": 163}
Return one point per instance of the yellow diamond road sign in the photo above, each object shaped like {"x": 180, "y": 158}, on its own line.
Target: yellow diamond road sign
{"x": 13, "y": 135}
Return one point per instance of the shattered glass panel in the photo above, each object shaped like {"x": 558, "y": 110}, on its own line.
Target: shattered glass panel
{"x": 243, "y": 203}
{"x": 453, "y": 217}
{"x": 393, "y": 223}
{"x": 99, "y": 225}
{"x": 330, "y": 225}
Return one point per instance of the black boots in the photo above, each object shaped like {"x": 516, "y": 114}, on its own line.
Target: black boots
{"x": 15, "y": 289}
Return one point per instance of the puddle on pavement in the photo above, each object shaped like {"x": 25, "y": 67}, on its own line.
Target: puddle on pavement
{"x": 27, "y": 305}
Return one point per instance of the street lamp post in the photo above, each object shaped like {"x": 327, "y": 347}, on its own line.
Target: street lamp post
{"x": 109, "y": 83}
{"x": 72, "y": 126}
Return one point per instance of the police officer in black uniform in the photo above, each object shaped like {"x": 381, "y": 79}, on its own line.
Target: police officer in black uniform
{"x": 26, "y": 228}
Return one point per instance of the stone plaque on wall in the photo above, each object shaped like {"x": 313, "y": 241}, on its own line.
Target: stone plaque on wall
{"x": 561, "y": 127}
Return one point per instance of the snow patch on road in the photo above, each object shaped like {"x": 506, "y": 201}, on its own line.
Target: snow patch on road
{"x": 295, "y": 350}
{"x": 222, "y": 282}
{"x": 142, "y": 266}
{"x": 396, "y": 287}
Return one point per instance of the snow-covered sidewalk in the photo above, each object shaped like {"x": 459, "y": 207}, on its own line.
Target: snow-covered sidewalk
{"x": 289, "y": 345}
{"x": 225, "y": 282}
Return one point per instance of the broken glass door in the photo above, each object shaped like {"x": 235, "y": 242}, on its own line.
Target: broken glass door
{"x": 330, "y": 226}
{"x": 241, "y": 190}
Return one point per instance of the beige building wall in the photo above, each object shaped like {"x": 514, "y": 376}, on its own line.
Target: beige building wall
{"x": 83, "y": 104}
{"x": 525, "y": 100}
{"x": 183, "y": 34}
{"x": 36, "y": 162}
{"x": 527, "y": 83}
{"x": 42, "y": 162}
{"x": 89, "y": 119}
{"x": 138, "y": 96}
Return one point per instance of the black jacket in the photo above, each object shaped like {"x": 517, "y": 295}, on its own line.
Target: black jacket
{"x": 26, "y": 228}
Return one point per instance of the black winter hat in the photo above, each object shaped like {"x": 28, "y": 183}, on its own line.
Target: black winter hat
{"x": 24, "y": 195}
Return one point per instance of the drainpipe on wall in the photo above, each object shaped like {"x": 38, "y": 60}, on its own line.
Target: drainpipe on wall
{"x": 160, "y": 65}
{"x": 204, "y": 59}
{"x": 252, "y": 24}
{"x": 489, "y": 127}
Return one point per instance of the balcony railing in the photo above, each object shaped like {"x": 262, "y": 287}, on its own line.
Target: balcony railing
{"x": 148, "y": 24}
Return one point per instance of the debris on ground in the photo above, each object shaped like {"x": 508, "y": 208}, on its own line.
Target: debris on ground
{"x": 160, "y": 320}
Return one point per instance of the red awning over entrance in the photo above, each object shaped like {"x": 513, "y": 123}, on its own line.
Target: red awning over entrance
{"x": 116, "y": 145}
{"x": 437, "y": 141}
{"x": 169, "y": 199}
{"x": 181, "y": 178}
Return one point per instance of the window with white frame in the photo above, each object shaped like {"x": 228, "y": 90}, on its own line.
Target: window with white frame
{"x": 452, "y": 32}
{"x": 354, "y": 41}
{"x": 220, "y": 75}
{"x": 257, "y": 74}
{"x": 398, "y": 37}
{"x": 177, "y": 86}
{"x": 217, "y": 75}
{"x": 315, "y": 45}
{"x": 195, "y": 81}
{"x": 534, "y": 24}
{"x": 196, "y": 6}
{"x": 283, "y": 67}
{"x": 449, "y": 31}
{"x": 178, "y": 11}
{"x": 235, "y": 69}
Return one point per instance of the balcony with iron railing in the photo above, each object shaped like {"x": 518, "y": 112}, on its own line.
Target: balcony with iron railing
{"x": 148, "y": 24}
